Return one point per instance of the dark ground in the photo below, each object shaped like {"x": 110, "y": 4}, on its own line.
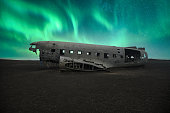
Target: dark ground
{"x": 25, "y": 88}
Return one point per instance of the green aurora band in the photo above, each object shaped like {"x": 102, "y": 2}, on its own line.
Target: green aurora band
{"x": 142, "y": 23}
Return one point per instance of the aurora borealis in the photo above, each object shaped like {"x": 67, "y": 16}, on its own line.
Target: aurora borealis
{"x": 141, "y": 23}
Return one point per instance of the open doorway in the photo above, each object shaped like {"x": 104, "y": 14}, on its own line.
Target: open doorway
{"x": 132, "y": 55}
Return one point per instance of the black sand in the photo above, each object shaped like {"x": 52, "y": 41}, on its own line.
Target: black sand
{"x": 25, "y": 88}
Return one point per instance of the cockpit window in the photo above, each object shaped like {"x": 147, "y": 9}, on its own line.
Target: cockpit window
{"x": 33, "y": 46}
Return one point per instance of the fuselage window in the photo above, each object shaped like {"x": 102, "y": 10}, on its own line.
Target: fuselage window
{"x": 52, "y": 50}
{"x": 79, "y": 52}
{"x": 121, "y": 56}
{"x": 114, "y": 55}
{"x": 43, "y": 52}
{"x": 33, "y": 46}
{"x": 71, "y": 51}
{"x": 62, "y": 51}
{"x": 106, "y": 55}
{"x": 97, "y": 54}
{"x": 88, "y": 53}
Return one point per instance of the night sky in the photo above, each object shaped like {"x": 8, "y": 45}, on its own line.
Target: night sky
{"x": 141, "y": 23}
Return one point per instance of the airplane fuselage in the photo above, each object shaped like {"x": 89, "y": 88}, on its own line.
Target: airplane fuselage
{"x": 79, "y": 56}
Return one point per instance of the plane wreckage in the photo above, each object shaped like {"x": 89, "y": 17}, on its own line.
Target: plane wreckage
{"x": 87, "y": 57}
